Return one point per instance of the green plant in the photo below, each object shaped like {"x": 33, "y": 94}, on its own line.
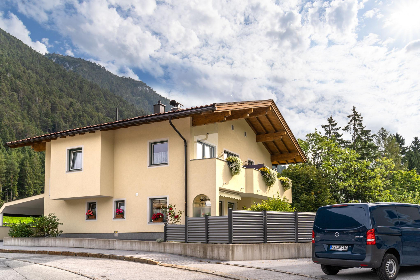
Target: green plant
{"x": 173, "y": 216}
{"x": 47, "y": 226}
{"x": 21, "y": 230}
{"x": 273, "y": 204}
{"x": 235, "y": 165}
{"x": 268, "y": 175}
{"x": 159, "y": 240}
{"x": 285, "y": 182}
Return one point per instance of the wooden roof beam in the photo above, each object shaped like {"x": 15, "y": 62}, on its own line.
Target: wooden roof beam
{"x": 260, "y": 112}
{"x": 283, "y": 157}
{"x": 240, "y": 114}
{"x": 268, "y": 137}
{"x": 39, "y": 147}
{"x": 206, "y": 119}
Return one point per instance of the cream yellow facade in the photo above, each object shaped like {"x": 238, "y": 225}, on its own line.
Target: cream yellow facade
{"x": 116, "y": 166}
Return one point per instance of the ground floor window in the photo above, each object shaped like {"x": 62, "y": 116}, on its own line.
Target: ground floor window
{"x": 158, "y": 209}
{"x": 220, "y": 208}
{"x": 231, "y": 205}
{"x": 119, "y": 212}
{"x": 91, "y": 211}
{"x": 201, "y": 206}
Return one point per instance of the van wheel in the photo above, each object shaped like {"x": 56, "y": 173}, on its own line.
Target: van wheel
{"x": 389, "y": 268}
{"x": 329, "y": 270}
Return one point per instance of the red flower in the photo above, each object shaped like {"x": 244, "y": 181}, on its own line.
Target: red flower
{"x": 170, "y": 208}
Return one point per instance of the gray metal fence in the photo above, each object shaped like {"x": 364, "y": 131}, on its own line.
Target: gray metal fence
{"x": 245, "y": 227}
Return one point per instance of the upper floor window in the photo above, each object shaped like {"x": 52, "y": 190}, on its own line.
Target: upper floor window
{"x": 159, "y": 153}
{"x": 75, "y": 159}
{"x": 227, "y": 154}
{"x": 205, "y": 150}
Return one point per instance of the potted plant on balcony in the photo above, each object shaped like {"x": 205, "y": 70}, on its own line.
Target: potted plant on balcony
{"x": 235, "y": 165}
{"x": 269, "y": 176}
{"x": 119, "y": 213}
{"x": 157, "y": 218}
{"x": 91, "y": 215}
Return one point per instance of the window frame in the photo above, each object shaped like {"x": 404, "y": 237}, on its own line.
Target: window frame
{"x": 68, "y": 162}
{"x": 150, "y": 210}
{"x": 203, "y": 145}
{"x": 114, "y": 214}
{"x": 96, "y": 210}
{"x": 150, "y": 149}
{"x": 250, "y": 160}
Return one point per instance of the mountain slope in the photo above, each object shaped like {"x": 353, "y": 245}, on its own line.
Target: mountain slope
{"x": 38, "y": 96}
{"x": 135, "y": 92}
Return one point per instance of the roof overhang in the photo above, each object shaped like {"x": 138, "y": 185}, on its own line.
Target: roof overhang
{"x": 262, "y": 116}
{"x": 30, "y": 206}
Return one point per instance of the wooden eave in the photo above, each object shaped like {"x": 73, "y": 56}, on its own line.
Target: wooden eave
{"x": 262, "y": 116}
{"x": 266, "y": 121}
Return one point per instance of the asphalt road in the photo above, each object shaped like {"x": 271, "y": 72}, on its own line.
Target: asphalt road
{"x": 36, "y": 266}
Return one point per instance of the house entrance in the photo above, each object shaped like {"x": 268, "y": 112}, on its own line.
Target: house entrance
{"x": 201, "y": 206}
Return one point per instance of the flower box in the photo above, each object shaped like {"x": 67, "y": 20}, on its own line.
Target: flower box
{"x": 119, "y": 216}
{"x": 91, "y": 217}
{"x": 158, "y": 220}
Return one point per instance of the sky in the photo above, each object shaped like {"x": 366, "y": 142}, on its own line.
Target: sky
{"x": 315, "y": 59}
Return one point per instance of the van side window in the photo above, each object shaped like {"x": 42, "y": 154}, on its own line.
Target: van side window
{"x": 384, "y": 216}
{"x": 409, "y": 216}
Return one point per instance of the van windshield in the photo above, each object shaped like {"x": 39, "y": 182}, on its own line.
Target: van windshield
{"x": 343, "y": 217}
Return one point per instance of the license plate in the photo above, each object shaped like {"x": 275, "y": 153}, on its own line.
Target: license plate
{"x": 338, "y": 248}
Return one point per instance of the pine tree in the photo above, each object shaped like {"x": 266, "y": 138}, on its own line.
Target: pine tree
{"x": 361, "y": 138}
{"x": 401, "y": 142}
{"x": 388, "y": 147}
{"x": 413, "y": 155}
{"x": 332, "y": 131}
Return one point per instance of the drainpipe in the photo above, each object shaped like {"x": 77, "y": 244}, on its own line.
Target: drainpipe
{"x": 186, "y": 178}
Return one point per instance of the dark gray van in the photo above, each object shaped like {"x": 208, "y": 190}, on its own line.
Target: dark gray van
{"x": 381, "y": 236}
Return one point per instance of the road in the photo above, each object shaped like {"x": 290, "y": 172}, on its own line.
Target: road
{"x": 17, "y": 266}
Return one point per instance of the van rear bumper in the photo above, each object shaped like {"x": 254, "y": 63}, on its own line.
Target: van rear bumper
{"x": 373, "y": 259}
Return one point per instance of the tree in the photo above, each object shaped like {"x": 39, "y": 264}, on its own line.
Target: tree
{"x": 401, "y": 142}
{"x": 361, "y": 138}
{"x": 413, "y": 155}
{"x": 332, "y": 131}
{"x": 388, "y": 147}
{"x": 310, "y": 188}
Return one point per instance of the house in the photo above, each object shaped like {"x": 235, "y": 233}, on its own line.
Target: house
{"x": 126, "y": 171}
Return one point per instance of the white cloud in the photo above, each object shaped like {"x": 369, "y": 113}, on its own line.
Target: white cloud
{"x": 69, "y": 52}
{"x": 307, "y": 56}
{"x": 413, "y": 46}
{"x": 13, "y": 25}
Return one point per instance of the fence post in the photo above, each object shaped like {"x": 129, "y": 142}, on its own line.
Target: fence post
{"x": 296, "y": 226}
{"x": 165, "y": 232}
{"x": 265, "y": 225}
{"x": 230, "y": 225}
{"x": 206, "y": 227}
{"x": 186, "y": 230}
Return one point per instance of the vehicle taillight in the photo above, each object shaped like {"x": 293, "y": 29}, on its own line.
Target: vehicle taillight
{"x": 313, "y": 237}
{"x": 370, "y": 237}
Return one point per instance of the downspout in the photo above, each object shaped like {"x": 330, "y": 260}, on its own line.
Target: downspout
{"x": 186, "y": 178}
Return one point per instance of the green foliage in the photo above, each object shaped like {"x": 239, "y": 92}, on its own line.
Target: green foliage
{"x": 235, "y": 165}
{"x": 413, "y": 155}
{"x": 173, "y": 216}
{"x": 21, "y": 230}
{"x": 47, "y": 226}
{"x": 17, "y": 220}
{"x": 285, "y": 182}
{"x": 135, "y": 92}
{"x": 273, "y": 204}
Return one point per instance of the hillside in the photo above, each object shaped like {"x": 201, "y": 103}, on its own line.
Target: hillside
{"x": 38, "y": 96}
{"x": 135, "y": 92}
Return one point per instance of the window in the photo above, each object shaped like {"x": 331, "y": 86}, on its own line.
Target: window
{"x": 220, "y": 208}
{"x": 251, "y": 162}
{"x": 159, "y": 153}
{"x": 91, "y": 211}
{"x": 75, "y": 159}
{"x": 119, "y": 211}
{"x": 158, "y": 209}
{"x": 205, "y": 150}
{"x": 227, "y": 154}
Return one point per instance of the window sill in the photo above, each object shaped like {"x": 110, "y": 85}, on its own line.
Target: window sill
{"x": 116, "y": 219}
{"x": 157, "y": 165}
{"x": 74, "y": 171}
{"x": 155, "y": 223}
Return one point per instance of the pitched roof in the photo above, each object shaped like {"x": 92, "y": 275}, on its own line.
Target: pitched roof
{"x": 263, "y": 117}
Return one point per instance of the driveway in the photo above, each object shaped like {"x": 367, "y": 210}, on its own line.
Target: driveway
{"x": 18, "y": 266}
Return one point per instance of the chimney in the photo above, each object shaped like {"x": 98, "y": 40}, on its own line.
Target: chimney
{"x": 159, "y": 108}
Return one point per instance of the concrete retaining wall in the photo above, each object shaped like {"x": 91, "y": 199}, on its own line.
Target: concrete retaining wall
{"x": 4, "y": 232}
{"x": 226, "y": 252}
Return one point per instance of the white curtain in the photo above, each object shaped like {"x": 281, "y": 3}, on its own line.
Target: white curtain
{"x": 76, "y": 160}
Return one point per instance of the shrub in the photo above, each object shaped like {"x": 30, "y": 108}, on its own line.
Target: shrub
{"x": 173, "y": 216}
{"x": 47, "y": 226}
{"x": 273, "y": 204}
{"x": 21, "y": 230}
{"x": 235, "y": 165}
